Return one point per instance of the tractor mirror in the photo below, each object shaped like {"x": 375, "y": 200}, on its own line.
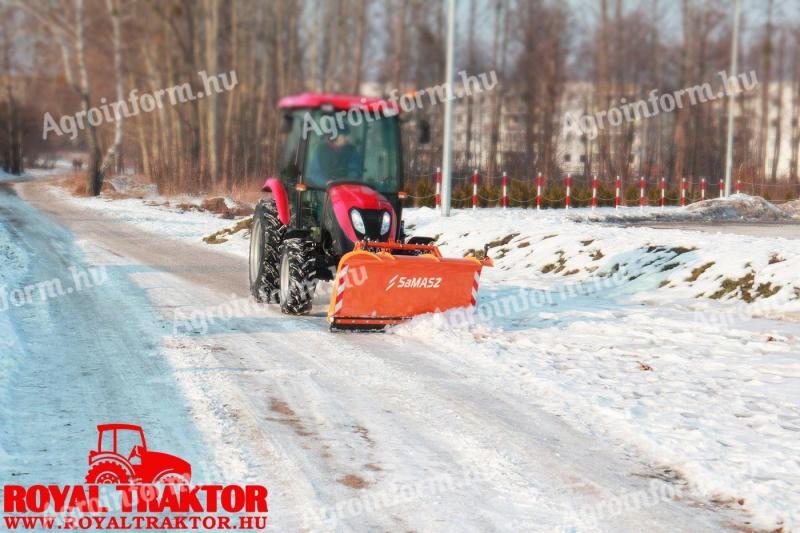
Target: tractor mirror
{"x": 424, "y": 132}
{"x": 286, "y": 124}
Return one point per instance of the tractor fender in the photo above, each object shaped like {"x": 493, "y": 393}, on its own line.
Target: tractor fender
{"x": 112, "y": 458}
{"x": 275, "y": 186}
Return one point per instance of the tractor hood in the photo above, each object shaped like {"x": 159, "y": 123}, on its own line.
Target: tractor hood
{"x": 159, "y": 462}
{"x": 345, "y": 197}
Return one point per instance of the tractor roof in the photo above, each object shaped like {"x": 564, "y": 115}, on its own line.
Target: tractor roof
{"x": 340, "y": 102}
{"x": 108, "y": 427}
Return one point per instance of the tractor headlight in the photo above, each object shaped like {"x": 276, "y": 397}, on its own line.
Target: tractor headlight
{"x": 358, "y": 222}
{"x": 386, "y": 223}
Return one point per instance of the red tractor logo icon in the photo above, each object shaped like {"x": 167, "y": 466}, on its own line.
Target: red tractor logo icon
{"x": 122, "y": 458}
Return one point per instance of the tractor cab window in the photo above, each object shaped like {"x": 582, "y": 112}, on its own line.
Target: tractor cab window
{"x": 127, "y": 440}
{"x": 289, "y": 163}
{"x": 366, "y": 151}
{"x": 107, "y": 441}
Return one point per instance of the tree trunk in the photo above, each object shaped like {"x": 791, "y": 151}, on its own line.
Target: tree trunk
{"x": 763, "y": 130}
{"x": 361, "y": 29}
{"x": 95, "y": 170}
{"x": 114, "y": 153}
{"x": 776, "y": 151}
{"x": 211, "y": 100}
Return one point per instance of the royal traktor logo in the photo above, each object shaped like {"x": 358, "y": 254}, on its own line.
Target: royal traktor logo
{"x": 129, "y": 486}
{"x": 122, "y": 457}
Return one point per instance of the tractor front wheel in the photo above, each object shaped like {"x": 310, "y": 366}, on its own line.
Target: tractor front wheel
{"x": 297, "y": 276}
{"x": 172, "y": 479}
{"x": 107, "y": 474}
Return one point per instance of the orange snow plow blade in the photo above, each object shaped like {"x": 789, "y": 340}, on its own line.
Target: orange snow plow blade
{"x": 378, "y": 284}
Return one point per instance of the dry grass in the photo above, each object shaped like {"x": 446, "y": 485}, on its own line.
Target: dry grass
{"x": 743, "y": 285}
{"x": 246, "y": 193}
{"x": 76, "y": 183}
{"x": 218, "y": 237}
{"x": 597, "y": 255}
{"x": 697, "y": 272}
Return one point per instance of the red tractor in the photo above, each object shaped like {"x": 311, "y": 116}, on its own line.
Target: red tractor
{"x": 122, "y": 458}
{"x": 334, "y": 213}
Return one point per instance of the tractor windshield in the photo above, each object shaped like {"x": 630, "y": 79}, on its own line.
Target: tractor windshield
{"x": 127, "y": 440}
{"x": 366, "y": 150}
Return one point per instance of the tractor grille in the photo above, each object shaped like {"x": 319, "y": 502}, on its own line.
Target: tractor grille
{"x": 372, "y": 223}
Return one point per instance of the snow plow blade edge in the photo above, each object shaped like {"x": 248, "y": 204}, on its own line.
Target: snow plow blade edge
{"x": 382, "y": 284}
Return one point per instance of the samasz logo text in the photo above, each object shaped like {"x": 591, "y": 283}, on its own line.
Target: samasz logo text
{"x": 403, "y": 282}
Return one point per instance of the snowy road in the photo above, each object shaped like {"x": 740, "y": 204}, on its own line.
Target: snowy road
{"x": 349, "y": 432}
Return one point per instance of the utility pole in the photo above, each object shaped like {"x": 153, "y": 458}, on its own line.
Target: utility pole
{"x": 732, "y": 96}
{"x": 447, "y": 155}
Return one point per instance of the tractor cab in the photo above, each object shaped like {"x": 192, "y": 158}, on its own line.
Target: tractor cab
{"x": 340, "y": 140}
{"x": 121, "y": 439}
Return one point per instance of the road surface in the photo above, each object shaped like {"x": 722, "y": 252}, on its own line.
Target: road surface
{"x": 783, "y": 230}
{"x": 349, "y": 432}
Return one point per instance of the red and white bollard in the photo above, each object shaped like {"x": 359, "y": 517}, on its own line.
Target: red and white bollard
{"x": 721, "y": 188}
{"x": 539, "y": 191}
{"x": 617, "y": 192}
{"x": 504, "y": 201}
{"x": 475, "y": 189}
{"x": 567, "y": 198}
{"x": 438, "y": 187}
{"x": 702, "y": 188}
{"x": 594, "y": 191}
{"x": 683, "y": 192}
{"x": 738, "y": 186}
{"x": 663, "y": 192}
{"x": 641, "y": 192}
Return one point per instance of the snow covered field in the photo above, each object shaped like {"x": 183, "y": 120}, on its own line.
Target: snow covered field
{"x": 679, "y": 348}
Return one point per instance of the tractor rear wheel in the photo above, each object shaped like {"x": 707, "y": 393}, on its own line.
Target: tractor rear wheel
{"x": 105, "y": 473}
{"x": 297, "y": 276}
{"x": 265, "y": 239}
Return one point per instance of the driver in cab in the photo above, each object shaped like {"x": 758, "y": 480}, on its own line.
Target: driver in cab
{"x": 336, "y": 157}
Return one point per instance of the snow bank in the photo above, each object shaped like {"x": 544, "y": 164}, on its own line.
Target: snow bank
{"x": 13, "y": 265}
{"x": 534, "y": 249}
{"x": 791, "y": 208}
{"x": 737, "y": 207}
{"x": 5, "y": 176}
{"x": 132, "y": 185}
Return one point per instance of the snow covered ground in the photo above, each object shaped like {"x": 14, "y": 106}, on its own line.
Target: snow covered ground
{"x": 694, "y": 378}
{"x": 678, "y": 348}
